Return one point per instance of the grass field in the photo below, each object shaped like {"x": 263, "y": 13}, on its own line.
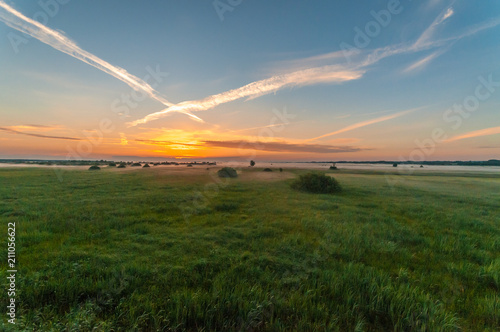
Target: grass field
{"x": 165, "y": 249}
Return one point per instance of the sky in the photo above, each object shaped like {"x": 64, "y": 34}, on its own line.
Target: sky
{"x": 238, "y": 80}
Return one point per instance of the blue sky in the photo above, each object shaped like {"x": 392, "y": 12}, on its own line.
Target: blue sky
{"x": 231, "y": 81}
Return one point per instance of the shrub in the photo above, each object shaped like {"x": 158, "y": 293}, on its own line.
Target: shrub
{"x": 136, "y": 165}
{"x": 189, "y": 165}
{"x": 252, "y": 163}
{"x": 227, "y": 172}
{"x": 122, "y": 165}
{"x": 146, "y": 165}
{"x": 394, "y": 165}
{"x": 94, "y": 168}
{"x": 317, "y": 183}
{"x": 112, "y": 164}
{"x": 281, "y": 169}
{"x": 267, "y": 170}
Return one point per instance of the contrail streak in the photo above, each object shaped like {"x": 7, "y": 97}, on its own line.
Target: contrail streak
{"x": 476, "y": 133}
{"x": 57, "y": 40}
{"x": 363, "y": 124}
{"x": 333, "y": 73}
{"x": 325, "y": 74}
{"x": 38, "y": 135}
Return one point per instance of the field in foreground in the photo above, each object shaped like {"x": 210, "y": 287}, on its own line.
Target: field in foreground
{"x": 173, "y": 250}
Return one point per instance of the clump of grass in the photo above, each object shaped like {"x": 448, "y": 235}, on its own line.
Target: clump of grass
{"x": 267, "y": 170}
{"x": 94, "y": 168}
{"x": 317, "y": 183}
{"x": 226, "y": 207}
{"x": 227, "y": 172}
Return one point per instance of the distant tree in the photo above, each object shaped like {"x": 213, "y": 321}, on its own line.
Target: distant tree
{"x": 252, "y": 163}
{"x": 395, "y": 165}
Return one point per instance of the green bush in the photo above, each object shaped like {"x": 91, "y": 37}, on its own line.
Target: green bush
{"x": 122, "y": 165}
{"x": 94, "y": 168}
{"x": 267, "y": 170}
{"x": 227, "y": 172}
{"x": 136, "y": 165}
{"x": 112, "y": 164}
{"x": 146, "y": 165}
{"x": 317, "y": 183}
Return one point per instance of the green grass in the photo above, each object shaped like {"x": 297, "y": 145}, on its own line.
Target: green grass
{"x": 115, "y": 250}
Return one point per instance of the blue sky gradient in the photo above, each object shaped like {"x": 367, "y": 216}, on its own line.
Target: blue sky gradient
{"x": 380, "y": 102}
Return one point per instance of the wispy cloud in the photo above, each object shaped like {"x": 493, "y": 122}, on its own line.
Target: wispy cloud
{"x": 325, "y": 74}
{"x": 34, "y": 127}
{"x": 261, "y": 127}
{"x": 423, "y": 62}
{"x": 489, "y": 147}
{"x": 476, "y": 133}
{"x": 310, "y": 62}
{"x": 282, "y": 146}
{"x": 425, "y": 37}
{"x": 13, "y": 131}
{"x": 262, "y": 146}
{"x": 364, "y": 124}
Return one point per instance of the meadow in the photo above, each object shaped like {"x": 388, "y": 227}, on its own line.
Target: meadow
{"x": 174, "y": 249}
